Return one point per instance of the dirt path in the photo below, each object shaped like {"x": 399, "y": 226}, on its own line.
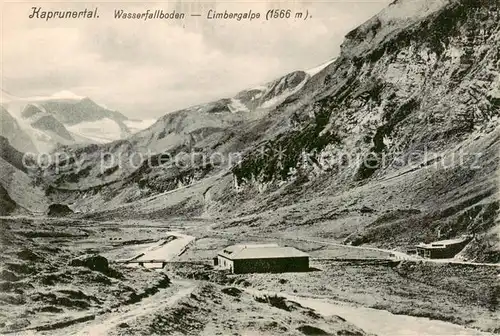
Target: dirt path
{"x": 103, "y": 324}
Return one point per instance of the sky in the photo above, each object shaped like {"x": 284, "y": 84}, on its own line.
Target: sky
{"x": 146, "y": 69}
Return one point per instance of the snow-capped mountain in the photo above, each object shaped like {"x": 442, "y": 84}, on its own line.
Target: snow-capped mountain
{"x": 62, "y": 119}
{"x": 260, "y": 99}
{"x": 11, "y": 130}
{"x": 42, "y": 121}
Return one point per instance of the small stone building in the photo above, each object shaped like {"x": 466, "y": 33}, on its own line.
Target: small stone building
{"x": 262, "y": 259}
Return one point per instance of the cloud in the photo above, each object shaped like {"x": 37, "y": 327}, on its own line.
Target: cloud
{"x": 148, "y": 68}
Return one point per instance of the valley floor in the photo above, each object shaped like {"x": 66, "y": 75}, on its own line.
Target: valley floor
{"x": 52, "y": 285}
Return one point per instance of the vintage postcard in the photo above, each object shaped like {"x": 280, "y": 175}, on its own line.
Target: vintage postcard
{"x": 250, "y": 167}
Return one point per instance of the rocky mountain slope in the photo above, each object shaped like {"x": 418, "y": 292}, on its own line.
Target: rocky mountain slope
{"x": 19, "y": 193}
{"x": 402, "y": 138}
{"x": 395, "y": 142}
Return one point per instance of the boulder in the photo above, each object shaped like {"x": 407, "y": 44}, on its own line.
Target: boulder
{"x": 94, "y": 262}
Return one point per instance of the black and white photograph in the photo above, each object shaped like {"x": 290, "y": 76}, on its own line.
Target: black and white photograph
{"x": 250, "y": 167}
